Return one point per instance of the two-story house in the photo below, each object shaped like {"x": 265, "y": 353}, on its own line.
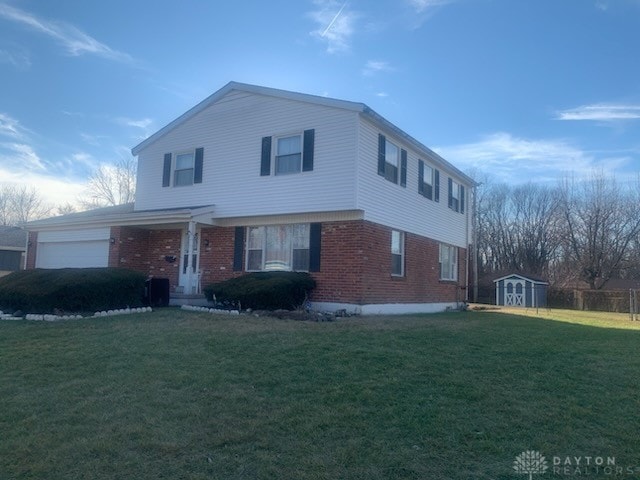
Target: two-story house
{"x": 256, "y": 179}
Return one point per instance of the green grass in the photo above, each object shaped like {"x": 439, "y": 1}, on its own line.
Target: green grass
{"x": 182, "y": 395}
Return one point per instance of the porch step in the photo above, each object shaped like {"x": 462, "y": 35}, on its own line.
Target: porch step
{"x": 177, "y": 299}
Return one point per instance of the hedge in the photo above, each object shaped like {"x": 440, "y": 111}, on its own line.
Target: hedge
{"x": 71, "y": 290}
{"x": 263, "y": 290}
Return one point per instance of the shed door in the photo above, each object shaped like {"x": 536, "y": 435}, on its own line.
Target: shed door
{"x": 514, "y": 293}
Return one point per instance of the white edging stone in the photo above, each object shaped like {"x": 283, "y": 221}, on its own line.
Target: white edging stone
{"x": 219, "y": 311}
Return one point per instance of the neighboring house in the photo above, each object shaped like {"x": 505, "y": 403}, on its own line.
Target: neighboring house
{"x": 13, "y": 244}
{"x": 255, "y": 179}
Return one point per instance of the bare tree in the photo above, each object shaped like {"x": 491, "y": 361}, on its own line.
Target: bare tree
{"x": 602, "y": 222}
{"x": 518, "y": 228}
{"x": 20, "y": 204}
{"x": 111, "y": 185}
{"x": 66, "y": 209}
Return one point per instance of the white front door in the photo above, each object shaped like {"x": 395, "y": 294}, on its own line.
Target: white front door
{"x": 190, "y": 267}
{"x": 514, "y": 293}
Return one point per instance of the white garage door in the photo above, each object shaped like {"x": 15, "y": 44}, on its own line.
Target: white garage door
{"x": 73, "y": 254}
{"x": 73, "y": 249}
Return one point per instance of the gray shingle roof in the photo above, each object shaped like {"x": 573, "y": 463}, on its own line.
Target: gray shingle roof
{"x": 13, "y": 237}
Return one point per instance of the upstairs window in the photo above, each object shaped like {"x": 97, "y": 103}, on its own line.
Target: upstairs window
{"x": 392, "y": 161}
{"x": 456, "y": 196}
{"x": 448, "y": 262}
{"x": 184, "y": 168}
{"x": 397, "y": 253}
{"x": 183, "y": 174}
{"x": 428, "y": 181}
{"x": 289, "y": 155}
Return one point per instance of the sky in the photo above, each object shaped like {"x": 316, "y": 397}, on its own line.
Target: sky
{"x": 507, "y": 90}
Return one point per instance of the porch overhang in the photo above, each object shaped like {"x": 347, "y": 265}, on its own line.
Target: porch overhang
{"x": 126, "y": 216}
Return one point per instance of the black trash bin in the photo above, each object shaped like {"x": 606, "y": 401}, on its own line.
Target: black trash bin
{"x": 156, "y": 292}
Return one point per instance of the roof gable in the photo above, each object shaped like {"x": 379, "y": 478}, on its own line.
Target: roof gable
{"x": 360, "y": 108}
{"x": 244, "y": 87}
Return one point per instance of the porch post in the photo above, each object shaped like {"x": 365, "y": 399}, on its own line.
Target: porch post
{"x": 191, "y": 232}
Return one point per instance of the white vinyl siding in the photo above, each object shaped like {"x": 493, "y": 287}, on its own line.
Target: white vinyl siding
{"x": 231, "y": 132}
{"x": 404, "y": 209}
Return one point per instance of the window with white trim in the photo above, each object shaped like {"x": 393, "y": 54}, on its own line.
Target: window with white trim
{"x": 397, "y": 253}
{"x": 392, "y": 161}
{"x": 278, "y": 247}
{"x": 427, "y": 180}
{"x": 185, "y": 167}
{"x": 448, "y": 262}
{"x": 289, "y": 155}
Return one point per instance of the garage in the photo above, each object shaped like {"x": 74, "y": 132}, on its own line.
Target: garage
{"x": 73, "y": 248}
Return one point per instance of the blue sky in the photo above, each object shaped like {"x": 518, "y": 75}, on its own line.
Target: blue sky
{"x": 515, "y": 90}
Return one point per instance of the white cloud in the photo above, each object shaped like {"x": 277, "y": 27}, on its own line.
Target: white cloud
{"x": 54, "y": 190}
{"x": 382, "y": 94}
{"x": 335, "y": 24}
{"x": 74, "y": 40}
{"x": 143, "y": 123}
{"x": 10, "y": 127}
{"x": 18, "y": 58}
{"x": 603, "y": 112}
{"x": 516, "y": 160}
{"x": 375, "y": 66}
{"x": 21, "y": 156}
{"x": 421, "y": 6}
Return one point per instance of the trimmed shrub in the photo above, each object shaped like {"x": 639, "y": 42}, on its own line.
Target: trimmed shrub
{"x": 264, "y": 290}
{"x": 71, "y": 290}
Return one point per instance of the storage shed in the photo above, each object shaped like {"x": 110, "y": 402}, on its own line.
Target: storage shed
{"x": 517, "y": 290}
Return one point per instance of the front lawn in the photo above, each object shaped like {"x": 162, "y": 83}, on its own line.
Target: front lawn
{"x": 183, "y": 395}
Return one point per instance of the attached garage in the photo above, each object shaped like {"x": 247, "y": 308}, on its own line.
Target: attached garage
{"x": 73, "y": 248}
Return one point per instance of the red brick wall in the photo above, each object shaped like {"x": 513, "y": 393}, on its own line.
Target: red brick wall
{"x": 356, "y": 267}
{"x": 355, "y": 262}
{"x": 216, "y": 254}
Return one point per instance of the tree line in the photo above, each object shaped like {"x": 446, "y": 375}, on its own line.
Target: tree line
{"x": 108, "y": 185}
{"x": 578, "y": 231}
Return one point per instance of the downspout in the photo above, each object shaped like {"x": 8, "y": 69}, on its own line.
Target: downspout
{"x": 26, "y": 251}
{"x": 466, "y": 263}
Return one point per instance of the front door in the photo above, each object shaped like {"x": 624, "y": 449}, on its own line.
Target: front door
{"x": 190, "y": 267}
{"x": 514, "y": 293}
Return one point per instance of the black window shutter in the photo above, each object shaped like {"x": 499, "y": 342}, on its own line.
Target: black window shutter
{"x": 420, "y": 177}
{"x": 307, "y": 152}
{"x": 265, "y": 163}
{"x": 238, "y": 249}
{"x": 315, "y": 238}
{"x": 436, "y": 185}
{"x": 382, "y": 147}
{"x": 403, "y": 168}
{"x": 166, "y": 170}
{"x": 461, "y": 198}
{"x": 197, "y": 170}
{"x": 450, "y": 184}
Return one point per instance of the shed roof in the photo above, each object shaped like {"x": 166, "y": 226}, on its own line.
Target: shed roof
{"x": 531, "y": 278}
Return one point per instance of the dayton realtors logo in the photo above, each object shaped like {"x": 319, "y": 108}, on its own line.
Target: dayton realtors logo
{"x": 530, "y": 463}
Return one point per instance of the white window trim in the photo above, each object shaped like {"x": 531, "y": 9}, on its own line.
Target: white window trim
{"x": 275, "y": 155}
{"x": 402, "y": 253}
{"x": 176, "y": 169}
{"x": 453, "y": 254}
{"x": 387, "y": 162}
